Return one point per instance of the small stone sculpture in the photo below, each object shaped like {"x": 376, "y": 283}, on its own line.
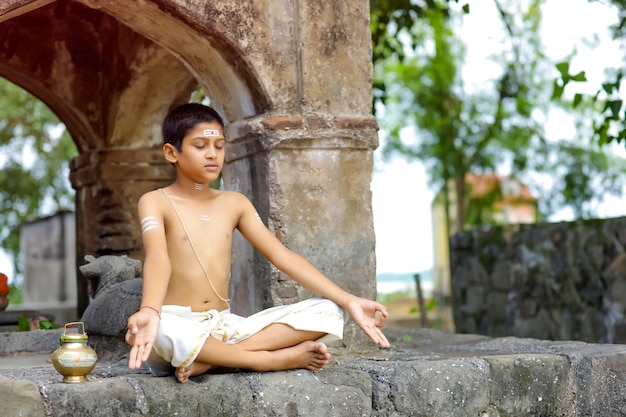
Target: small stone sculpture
{"x": 115, "y": 287}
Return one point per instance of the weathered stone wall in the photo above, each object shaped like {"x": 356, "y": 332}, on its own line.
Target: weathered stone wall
{"x": 562, "y": 281}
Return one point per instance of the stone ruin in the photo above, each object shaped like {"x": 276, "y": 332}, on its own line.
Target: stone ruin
{"x": 561, "y": 281}
{"x": 293, "y": 79}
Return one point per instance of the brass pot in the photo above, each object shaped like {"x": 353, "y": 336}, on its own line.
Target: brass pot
{"x": 74, "y": 359}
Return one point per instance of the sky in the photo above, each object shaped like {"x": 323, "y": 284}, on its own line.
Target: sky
{"x": 401, "y": 198}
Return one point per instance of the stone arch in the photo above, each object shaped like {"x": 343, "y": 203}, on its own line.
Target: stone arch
{"x": 293, "y": 78}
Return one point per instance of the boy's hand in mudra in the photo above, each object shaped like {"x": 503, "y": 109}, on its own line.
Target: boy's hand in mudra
{"x": 143, "y": 327}
{"x": 370, "y": 316}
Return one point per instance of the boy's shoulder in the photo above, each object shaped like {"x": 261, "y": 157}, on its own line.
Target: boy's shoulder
{"x": 227, "y": 196}
{"x": 233, "y": 197}
{"x": 234, "y": 202}
{"x": 150, "y": 195}
{"x": 230, "y": 197}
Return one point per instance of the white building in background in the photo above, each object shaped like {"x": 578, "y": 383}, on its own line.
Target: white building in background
{"x": 48, "y": 247}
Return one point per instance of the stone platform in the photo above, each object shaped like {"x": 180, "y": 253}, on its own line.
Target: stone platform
{"x": 425, "y": 373}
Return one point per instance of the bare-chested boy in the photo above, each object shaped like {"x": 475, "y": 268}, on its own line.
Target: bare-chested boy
{"x": 184, "y": 324}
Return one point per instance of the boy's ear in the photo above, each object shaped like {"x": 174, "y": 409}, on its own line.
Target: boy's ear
{"x": 170, "y": 152}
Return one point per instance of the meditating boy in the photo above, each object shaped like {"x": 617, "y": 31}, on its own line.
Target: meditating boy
{"x": 184, "y": 324}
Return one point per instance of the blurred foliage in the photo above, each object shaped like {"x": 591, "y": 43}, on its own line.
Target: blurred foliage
{"x": 35, "y": 150}
{"x": 24, "y": 324}
{"x": 428, "y": 113}
{"x": 15, "y": 294}
{"x": 606, "y": 107}
{"x": 389, "y": 20}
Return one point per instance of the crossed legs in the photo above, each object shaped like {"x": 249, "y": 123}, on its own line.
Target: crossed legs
{"x": 278, "y": 347}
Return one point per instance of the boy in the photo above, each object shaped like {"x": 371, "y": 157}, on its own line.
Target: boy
{"x": 184, "y": 323}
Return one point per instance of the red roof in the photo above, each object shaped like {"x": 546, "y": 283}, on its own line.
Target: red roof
{"x": 510, "y": 187}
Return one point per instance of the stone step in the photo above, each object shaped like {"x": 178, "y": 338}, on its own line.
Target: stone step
{"x": 425, "y": 373}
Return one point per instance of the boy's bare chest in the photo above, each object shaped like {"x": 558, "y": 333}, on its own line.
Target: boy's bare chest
{"x": 201, "y": 221}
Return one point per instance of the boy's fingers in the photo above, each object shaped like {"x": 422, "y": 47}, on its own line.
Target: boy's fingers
{"x": 132, "y": 327}
{"x": 132, "y": 359}
{"x": 146, "y": 352}
{"x": 382, "y": 309}
{"x": 380, "y": 339}
{"x": 137, "y": 356}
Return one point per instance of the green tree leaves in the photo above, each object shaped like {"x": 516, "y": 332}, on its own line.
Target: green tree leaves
{"x": 429, "y": 114}
{"x": 35, "y": 150}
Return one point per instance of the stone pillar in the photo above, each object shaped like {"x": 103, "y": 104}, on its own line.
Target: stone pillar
{"x": 309, "y": 179}
{"x": 108, "y": 185}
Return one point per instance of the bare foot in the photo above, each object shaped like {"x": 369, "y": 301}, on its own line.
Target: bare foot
{"x": 196, "y": 368}
{"x": 307, "y": 355}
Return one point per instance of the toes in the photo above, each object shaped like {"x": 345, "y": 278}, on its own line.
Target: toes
{"x": 182, "y": 374}
{"x": 313, "y": 368}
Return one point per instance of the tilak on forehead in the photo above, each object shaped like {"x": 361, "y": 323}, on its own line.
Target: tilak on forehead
{"x": 211, "y": 132}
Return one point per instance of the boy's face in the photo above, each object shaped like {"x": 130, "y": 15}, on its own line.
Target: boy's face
{"x": 202, "y": 155}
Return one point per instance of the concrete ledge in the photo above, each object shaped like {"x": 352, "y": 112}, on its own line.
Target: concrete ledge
{"x": 425, "y": 373}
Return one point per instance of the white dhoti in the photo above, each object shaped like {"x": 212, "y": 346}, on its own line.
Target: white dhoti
{"x": 182, "y": 332}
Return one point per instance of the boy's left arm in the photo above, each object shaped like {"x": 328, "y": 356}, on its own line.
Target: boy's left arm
{"x": 369, "y": 315}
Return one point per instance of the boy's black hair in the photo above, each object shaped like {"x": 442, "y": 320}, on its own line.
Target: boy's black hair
{"x": 185, "y": 117}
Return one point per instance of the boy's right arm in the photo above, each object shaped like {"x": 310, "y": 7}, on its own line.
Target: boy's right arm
{"x": 143, "y": 326}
